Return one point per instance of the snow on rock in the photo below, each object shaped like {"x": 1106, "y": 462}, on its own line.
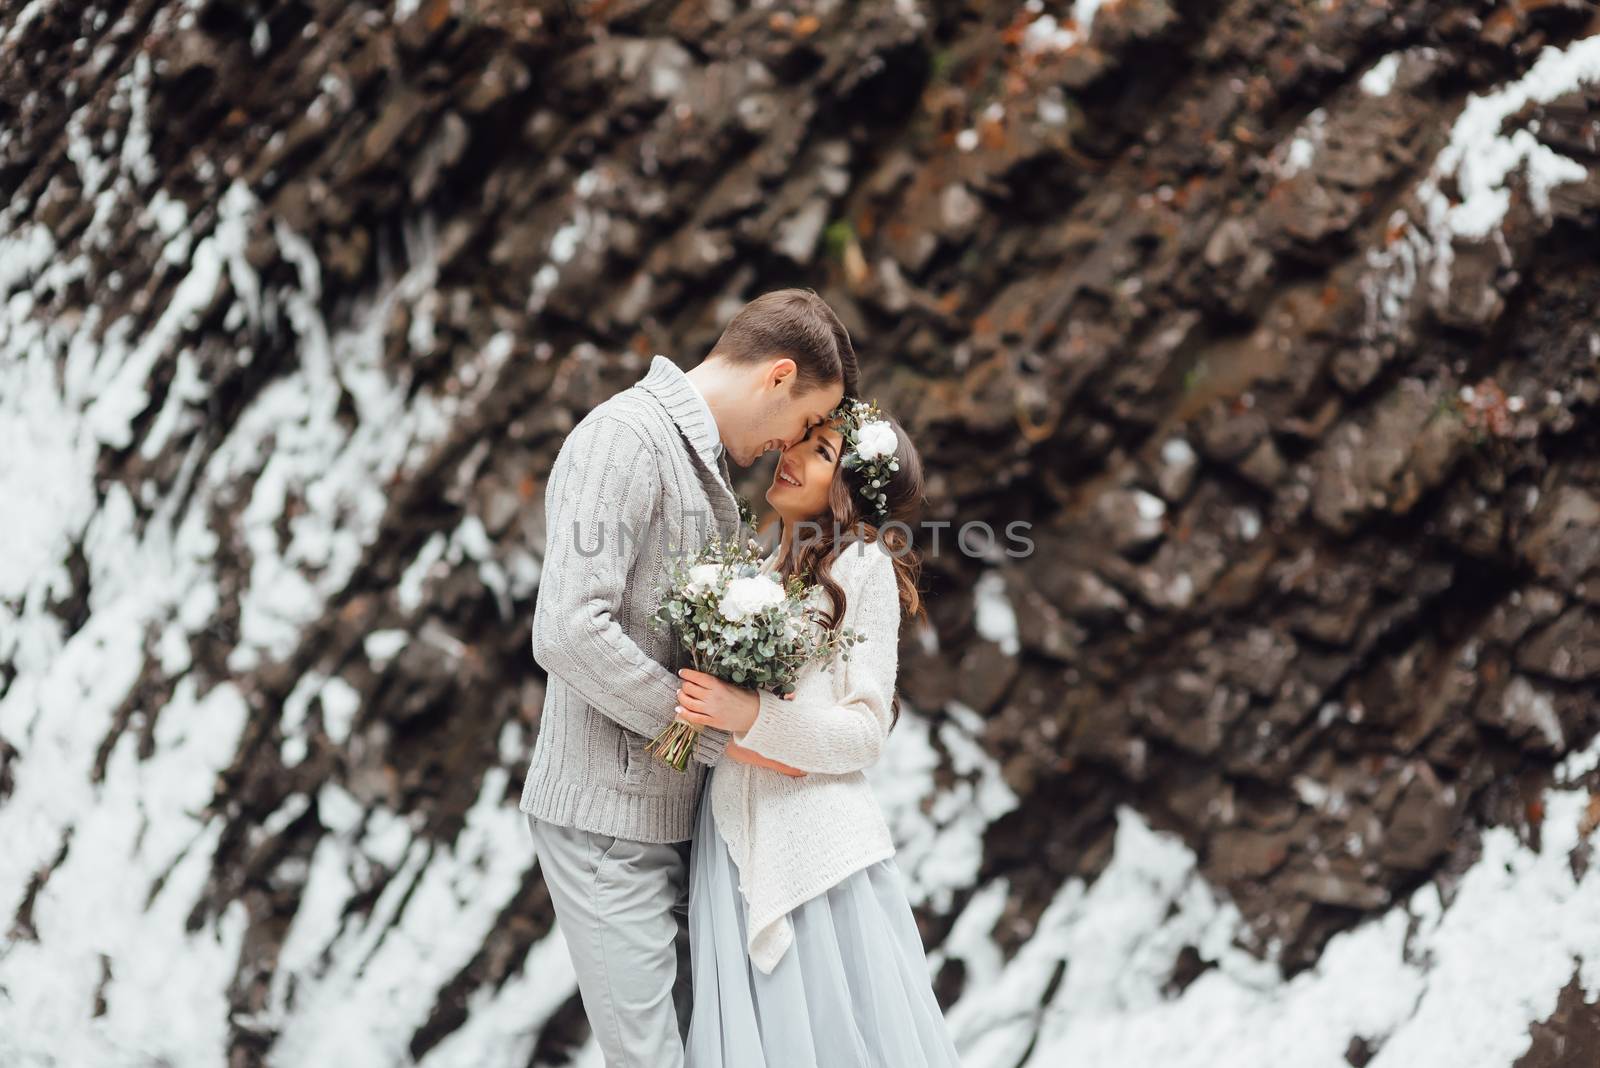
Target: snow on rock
{"x": 1380, "y": 78}
{"x": 1452, "y": 978}
{"x": 112, "y": 920}
{"x": 939, "y": 831}
{"x": 1480, "y": 157}
{"x": 1046, "y": 33}
{"x": 585, "y": 229}
{"x": 108, "y": 868}
{"x": 1301, "y": 149}
{"x": 503, "y": 1024}
{"x": 996, "y": 619}
{"x": 353, "y": 990}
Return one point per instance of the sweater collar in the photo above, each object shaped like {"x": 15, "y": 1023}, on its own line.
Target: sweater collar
{"x": 667, "y": 383}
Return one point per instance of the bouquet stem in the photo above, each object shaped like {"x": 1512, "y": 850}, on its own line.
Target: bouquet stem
{"x": 675, "y": 745}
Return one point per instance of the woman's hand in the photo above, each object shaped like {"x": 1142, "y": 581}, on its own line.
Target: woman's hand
{"x": 734, "y": 751}
{"x": 706, "y": 701}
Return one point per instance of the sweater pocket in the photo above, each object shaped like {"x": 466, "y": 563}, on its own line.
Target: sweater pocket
{"x": 639, "y": 768}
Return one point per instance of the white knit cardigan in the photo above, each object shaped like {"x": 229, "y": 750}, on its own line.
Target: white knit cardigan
{"x": 794, "y": 838}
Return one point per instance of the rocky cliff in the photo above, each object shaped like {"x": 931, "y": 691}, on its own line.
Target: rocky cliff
{"x": 1275, "y": 321}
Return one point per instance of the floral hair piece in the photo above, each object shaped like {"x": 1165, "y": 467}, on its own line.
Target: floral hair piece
{"x": 869, "y": 447}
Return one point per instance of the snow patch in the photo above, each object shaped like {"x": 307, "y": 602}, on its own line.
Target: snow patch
{"x": 1429, "y": 983}
{"x": 1301, "y": 150}
{"x": 361, "y": 986}
{"x": 1482, "y": 160}
{"x": 1379, "y": 80}
{"x": 938, "y": 832}
{"x": 996, "y": 619}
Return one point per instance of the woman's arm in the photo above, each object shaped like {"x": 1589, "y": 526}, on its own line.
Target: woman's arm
{"x": 838, "y": 737}
{"x": 736, "y": 752}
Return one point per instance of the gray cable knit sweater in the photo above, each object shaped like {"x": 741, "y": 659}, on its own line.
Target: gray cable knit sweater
{"x": 637, "y": 479}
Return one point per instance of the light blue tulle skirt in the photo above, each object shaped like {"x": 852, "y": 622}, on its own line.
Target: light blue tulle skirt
{"x": 851, "y": 991}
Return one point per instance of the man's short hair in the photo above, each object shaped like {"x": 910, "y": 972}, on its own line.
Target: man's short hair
{"x": 796, "y": 323}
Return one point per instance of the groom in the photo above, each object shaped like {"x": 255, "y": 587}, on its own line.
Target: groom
{"x": 643, "y": 476}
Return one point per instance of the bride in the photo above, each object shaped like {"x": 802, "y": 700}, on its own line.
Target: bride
{"x": 803, "y": 949}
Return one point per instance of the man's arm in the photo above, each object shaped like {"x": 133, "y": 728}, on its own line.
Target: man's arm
{"x": 603, "y": 491}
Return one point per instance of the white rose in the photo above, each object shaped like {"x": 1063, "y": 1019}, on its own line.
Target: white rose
{"x": 875, "y": 439}
{"x": 745, "y": 597}
{"x": 703, "y": 577}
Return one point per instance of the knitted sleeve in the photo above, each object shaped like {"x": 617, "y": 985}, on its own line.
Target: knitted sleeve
{"x": 845, "y": 734}
{"x": 604, "y": 487}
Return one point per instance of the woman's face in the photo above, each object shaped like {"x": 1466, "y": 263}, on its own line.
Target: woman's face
{"x": 799, "y": 487}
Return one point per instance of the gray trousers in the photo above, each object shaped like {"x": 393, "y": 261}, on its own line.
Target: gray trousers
{"x": 622, "y": 907}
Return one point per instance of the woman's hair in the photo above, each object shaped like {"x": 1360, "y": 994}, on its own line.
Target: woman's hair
{"x": 849, "y": 518}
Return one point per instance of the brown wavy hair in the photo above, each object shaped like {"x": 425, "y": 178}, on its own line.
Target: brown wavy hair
{"x": 848, "y": 518}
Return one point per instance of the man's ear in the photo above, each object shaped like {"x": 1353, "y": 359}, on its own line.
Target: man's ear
{"x": 780, "y": 371}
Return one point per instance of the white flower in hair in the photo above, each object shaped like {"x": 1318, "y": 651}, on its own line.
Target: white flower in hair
{"x": 875, "y": 440}
{"x": 745, "y": 597}
{"x": 869, "y": 447}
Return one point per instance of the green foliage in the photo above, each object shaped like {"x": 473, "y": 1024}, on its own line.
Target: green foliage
{"x": 742, "y": 625}
{"x": 837, "y": 237}
{"x": 763, "y": 647}
{"x": 748, "y": 520}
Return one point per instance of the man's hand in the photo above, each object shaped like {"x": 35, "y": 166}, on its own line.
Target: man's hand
{"x": 735, "y": 751}
{"x": 706, "y": 701}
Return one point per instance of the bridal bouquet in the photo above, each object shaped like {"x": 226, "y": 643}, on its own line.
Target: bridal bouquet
{"x": 742, "y": 625}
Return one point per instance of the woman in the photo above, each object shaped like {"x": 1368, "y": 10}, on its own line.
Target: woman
{"x": 804, "y": 950}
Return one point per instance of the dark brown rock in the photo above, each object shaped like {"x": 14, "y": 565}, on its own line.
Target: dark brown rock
{"x": 1237, "y": 855}
{"x": 1566, "y": 649}
{"x": 1420, "y": 825}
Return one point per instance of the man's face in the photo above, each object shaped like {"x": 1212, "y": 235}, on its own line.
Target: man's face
{"x": 780, "y": 417}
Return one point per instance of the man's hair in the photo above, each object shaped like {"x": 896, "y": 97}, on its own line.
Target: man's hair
{"x": 796, "y": 323}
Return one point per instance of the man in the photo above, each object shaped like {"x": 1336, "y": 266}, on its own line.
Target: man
{"x": 644, "y": 476}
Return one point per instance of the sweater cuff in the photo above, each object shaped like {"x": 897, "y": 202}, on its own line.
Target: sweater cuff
{"x": 762, "y": 730}
{"x": 710, "y": 746}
